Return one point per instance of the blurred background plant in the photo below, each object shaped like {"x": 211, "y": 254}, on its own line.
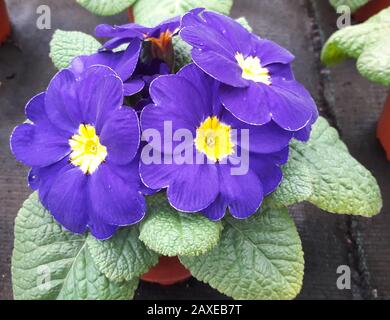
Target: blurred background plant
{"x": 369, "y": 44}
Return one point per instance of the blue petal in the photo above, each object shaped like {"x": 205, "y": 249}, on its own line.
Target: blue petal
{"x": 249, "y": 104}
{"x": 121, "y": 135}
{"x": 194, "y": 188}
{"x": 38, "y": 146}
{"x": 61, "y": 103}
{"x": 115, "y": 201}
{"x": 244, "y": 193}
{"x": 101, "y": 230}
{"x": 216, "y": 211}
{"x": 68, "y": 200}
{"x": 132, "y": 87}
{"x": 100, "y": 92}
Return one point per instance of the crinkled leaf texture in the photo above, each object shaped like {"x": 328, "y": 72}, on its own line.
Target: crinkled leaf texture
{"x": 66, "y": 45}
{"x": 323, "y": 172}
{"x": 257, "y": 258}
{"x": 368, "y": 42}
{"x": 352, "y": 4}
{"x": 106, "y": 7}
{"x": 124, "y": 256}
{"x": 173, "y": 233}
{"x": 374, "y": 63}
{"x": 152, "y": 12}
{"x": 51, "y": 263}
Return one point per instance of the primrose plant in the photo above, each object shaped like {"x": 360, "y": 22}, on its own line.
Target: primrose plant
{"x": 368, "y": 43}
{"x": 354, "y": 5}
{"x": 186, "y": 139}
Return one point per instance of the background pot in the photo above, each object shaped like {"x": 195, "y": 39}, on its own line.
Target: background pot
{"x": 371, "y": 8}
{"x": 5, "y": 27}
{"x": 383, "y": 131}
{"x": 167, "y": 272}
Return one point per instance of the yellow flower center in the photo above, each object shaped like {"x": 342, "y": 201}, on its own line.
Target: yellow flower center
{"x": 252, "y": 69}
{"x": 213, "y": 138}
{"x": 87, "y": 152}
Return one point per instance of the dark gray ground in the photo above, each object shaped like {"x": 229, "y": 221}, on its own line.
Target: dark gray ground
{"x": 351, "y": 103}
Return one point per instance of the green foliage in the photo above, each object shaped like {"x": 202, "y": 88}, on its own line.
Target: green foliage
{"x": 353, "y": 4}
{"x": 152, "y": 12}
{"x": 182, "y": 52}
{"x": 51, "y": 263}
{"x": 324, "y": 173}
{"x": 124, "y": 256}
{"x": 66, "y": 45}
{"x": 368, "y": 42}
{"x": 173, "y": 233}
{"x": 245, "y": 23}
{"x": 106, "y": 7}
{"x": 257, "y": 258}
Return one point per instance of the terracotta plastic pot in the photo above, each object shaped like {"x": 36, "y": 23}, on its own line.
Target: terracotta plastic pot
{"x": 383, "y": 131}
{"x": 5, "y": 26}
{"x": 371, "y": 8}
{"x": 130, "y": 13}
{"x": 167, "y": 272}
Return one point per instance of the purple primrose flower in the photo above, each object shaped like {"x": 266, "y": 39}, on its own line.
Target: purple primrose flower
{"x": 147, "y": 72}
{"x": 159, "y": 35}
{"x": 82, "y": 145}
{"x": 189, "y": 101}
{"x": 258, "y": 85}
{"x": 124, "y": 63}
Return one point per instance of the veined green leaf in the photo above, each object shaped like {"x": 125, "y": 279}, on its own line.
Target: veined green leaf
{"x": 106, "y": 7}
{"x": 51, "y": 263}
{"x": 257, "y": 258}
{"x": 173, "y": 233}
{"x": 368, "y": 42}
{"x": 152, "y": 12}
{"x": 66, "y": 45}
{"x": 323, "y": 172}
{"x": 124, "y": 256}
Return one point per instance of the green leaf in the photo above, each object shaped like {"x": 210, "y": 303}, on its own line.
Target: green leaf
{"x": 374, "y": 62}
{"x": 85, "y": 282}
{"x": 51, "y": 263}
{"x": 257, "y": 258}
{"x": 182, "y": 53}
{"x": 122, "y": 257}
{"x": 173, "y": 233}
{"x": 245, "y": 23}
{"x": 323, "y": 172}
{"x": 106, "y": 7}
{"x": 66, "y": 45}
{"x": 352, "y": 4}
{"x": 368, "y": 42}
{"x": 297, "y": 185}
{"x": 152, "y": 12}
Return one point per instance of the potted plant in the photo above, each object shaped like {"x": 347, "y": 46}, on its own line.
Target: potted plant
{"x": 5, "y": 27}
{"x": 362, "y": 10}
{"x": 196, "y": 157}
{"x": 168, "y": 271}
{"x": 369, "y": 44}
{"x": 383, "y": 131}
{"x": 371, "y": 8}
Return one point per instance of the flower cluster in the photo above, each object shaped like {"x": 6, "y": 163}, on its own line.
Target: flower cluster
{"x": 215, "y": 134}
